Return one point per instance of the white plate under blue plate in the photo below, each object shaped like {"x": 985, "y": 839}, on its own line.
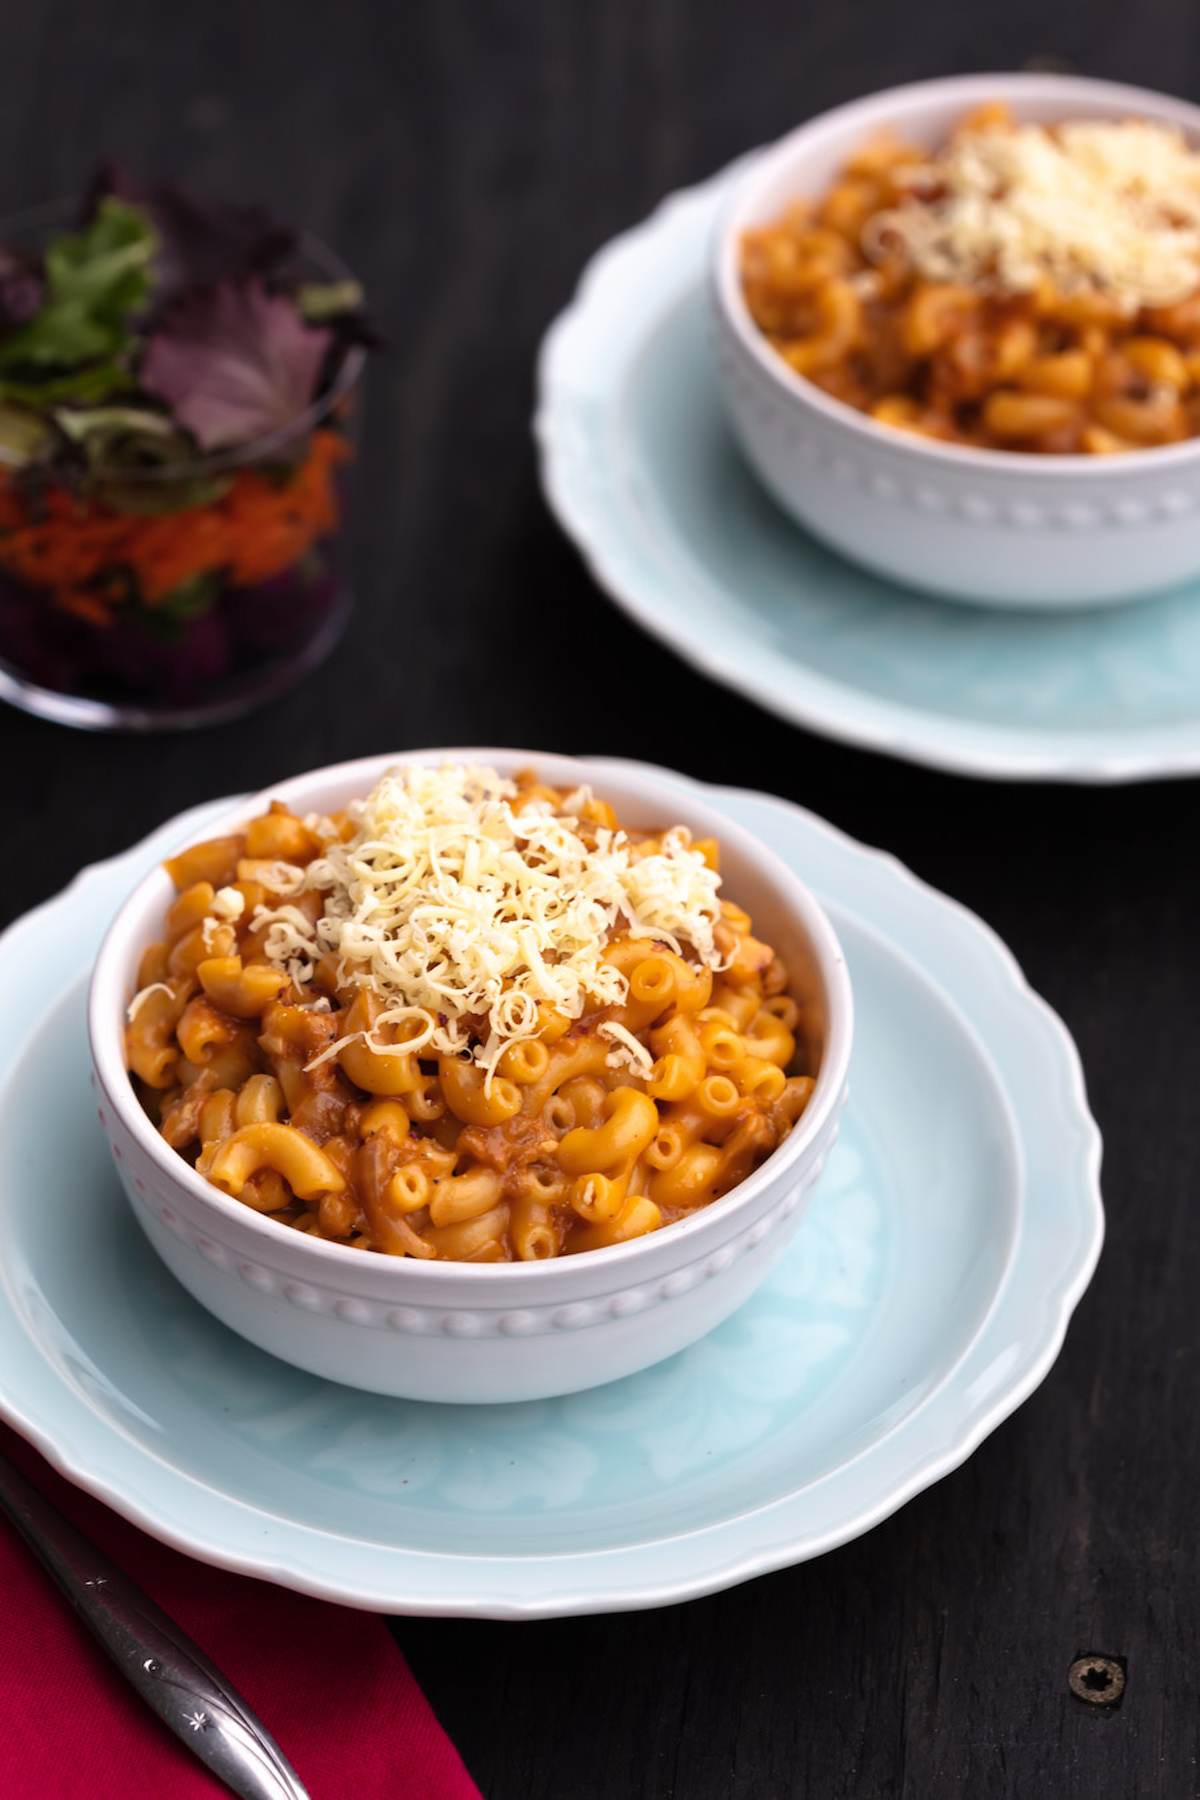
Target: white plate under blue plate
{"x": 925, "y": 1295}
{"x": 641, "y": 470}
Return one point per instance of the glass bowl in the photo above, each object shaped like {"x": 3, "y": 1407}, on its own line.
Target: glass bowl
{"x": 181, "y": 594}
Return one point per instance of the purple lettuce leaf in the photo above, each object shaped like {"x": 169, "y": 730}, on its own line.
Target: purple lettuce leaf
{"x": 200, "y": 242}
{"x": 22, "y": 289}
{"x": 234, "y": 363}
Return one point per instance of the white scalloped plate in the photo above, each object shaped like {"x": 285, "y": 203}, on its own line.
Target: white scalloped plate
{"x": 925, "y": 1296}
{"x": 641, "y": 470}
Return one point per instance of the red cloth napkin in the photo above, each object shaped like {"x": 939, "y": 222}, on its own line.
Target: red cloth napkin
{"x": 329, "y": 1683}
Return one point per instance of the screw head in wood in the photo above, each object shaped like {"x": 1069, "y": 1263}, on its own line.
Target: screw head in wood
{"x": 1100, "y": 1680}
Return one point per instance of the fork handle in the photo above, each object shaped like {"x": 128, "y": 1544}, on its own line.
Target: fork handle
{"x": 169, "y": 1671}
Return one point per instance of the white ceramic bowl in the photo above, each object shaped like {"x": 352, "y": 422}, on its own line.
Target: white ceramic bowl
{"x": 986, "y": 526}
{"x": 462, "y": 1332}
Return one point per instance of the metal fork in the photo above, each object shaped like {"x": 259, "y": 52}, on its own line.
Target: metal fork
{"x": 172, "y": 1675}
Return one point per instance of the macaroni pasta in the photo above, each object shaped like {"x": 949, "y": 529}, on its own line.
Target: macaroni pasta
{"x": 891, "y": 299}
{"x": 279, "y": 1068}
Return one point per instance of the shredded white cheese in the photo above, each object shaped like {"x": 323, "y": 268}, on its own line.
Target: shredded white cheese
{"x": 228, "y": 904}
{"x": 143, "y": 994}
{"x": 1109, "y": 206}
{"x": 627, "y": 1052}
{"x": 288, "y": 940}
{"x": 465, "y": 916}
{"x": 280, "y": 877}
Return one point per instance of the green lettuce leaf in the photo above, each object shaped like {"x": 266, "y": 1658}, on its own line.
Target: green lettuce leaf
{"x": 87, "y": 386}
{"x": 96, "y": 280}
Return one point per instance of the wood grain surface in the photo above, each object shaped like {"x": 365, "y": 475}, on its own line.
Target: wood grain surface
{"x": 467, "y": 158}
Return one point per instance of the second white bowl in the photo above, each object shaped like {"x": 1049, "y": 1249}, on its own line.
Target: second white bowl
{"x": 492, "y": 1331}
{"x": 992, "y": 527}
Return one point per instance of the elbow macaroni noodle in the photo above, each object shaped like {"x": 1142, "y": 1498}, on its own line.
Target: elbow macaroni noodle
{"x": 968, "y": 361}
{"x": 263, "y": 1080}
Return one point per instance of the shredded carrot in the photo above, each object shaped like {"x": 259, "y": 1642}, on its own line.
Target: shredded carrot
{"x": 83, "y": 552}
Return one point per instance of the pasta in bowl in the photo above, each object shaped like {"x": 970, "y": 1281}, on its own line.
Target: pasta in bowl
{"x": 956, "y": 334}
{"x": 466, "y": 1045}
{"x": 1021, "y": 287}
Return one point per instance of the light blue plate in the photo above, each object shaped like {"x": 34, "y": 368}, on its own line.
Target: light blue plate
{"x": 641, "y": 470}
{"x": 925, "y": 1296}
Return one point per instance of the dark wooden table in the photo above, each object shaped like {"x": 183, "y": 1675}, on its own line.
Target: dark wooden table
{"x": 467, "y": 157}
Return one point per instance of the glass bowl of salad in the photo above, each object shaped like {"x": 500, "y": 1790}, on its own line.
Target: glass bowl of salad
{"x": 178, "y": 385}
